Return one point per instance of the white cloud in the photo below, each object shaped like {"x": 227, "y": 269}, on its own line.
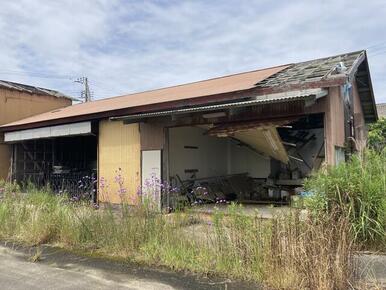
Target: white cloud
{"x": 127, "y": 46}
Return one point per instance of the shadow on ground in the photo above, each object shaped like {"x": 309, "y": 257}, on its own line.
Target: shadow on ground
{"x": 107, "y": 272}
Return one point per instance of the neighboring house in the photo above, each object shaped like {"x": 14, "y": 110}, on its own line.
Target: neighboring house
{"x": 18, "y": 101}
{"x": 381, "y": 108}
{"x": 252, "y": 136}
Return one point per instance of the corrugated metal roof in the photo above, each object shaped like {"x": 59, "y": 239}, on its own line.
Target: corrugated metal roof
{"x": 31, "y": 89}
{"x": 259, "y": 100}
{"x": 381, "y": 108}
{"x": 314, "y": 72}
{"x": 227, "y": 84}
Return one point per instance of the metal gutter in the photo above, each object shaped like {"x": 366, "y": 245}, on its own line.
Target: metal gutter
{"x": 308, "y": 95}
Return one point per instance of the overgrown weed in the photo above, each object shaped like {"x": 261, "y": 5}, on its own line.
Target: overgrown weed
{"x": 357, "y": 189}
{"x": 284, "y": 253}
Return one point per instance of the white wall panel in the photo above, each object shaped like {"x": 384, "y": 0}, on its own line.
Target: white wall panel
{"x": 49, "y": 132}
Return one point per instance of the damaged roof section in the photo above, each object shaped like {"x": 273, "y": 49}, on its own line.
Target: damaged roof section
{"x": 306, "y": 95}
{"x": 313, "y": 70}
{"x": 347, "y": 67}
{"x": 31, "y": 89}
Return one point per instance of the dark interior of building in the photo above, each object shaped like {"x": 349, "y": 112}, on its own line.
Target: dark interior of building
{"x": 67, "y": 164}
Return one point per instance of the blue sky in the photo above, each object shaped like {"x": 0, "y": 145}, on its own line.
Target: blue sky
{"x": 129, "y": 46}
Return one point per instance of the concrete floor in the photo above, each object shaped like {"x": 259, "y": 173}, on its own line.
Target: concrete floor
{"x": 59, "y": 269}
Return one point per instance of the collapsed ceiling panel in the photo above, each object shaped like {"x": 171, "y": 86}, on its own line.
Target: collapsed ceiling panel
{"x": 264, "y": 140}
{"x": 261, "y": 136}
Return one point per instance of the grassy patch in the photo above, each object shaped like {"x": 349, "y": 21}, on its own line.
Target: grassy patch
{"x": 285, "y": 252}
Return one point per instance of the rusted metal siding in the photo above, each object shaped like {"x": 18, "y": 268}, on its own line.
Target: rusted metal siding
{"x": 119, "y": 152}
{"x": 16, "y": 105}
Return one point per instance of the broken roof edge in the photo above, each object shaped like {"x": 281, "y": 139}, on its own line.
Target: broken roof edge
{"x": 256, "y": 100}
{"x": 33, "y": 90}
{"x": 366, "y": 61}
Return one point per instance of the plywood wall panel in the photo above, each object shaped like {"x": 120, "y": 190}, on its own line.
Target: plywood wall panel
{"x": 152, "y": 136}
{"x": 118, "y": 148}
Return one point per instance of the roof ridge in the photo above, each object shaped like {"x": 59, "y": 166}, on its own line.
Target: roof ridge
{"x": 332, "y": 56}
{"x": 194, "y": 82}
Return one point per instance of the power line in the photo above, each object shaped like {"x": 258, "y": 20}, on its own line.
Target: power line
{"x": 376, "y": 45}
{"x": 35, "y": 74}
{"x": 377, "y": 53}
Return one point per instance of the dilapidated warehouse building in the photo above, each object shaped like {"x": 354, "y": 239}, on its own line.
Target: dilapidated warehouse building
{"x": 18, "y": 101}
{"x": 250, "y": 137}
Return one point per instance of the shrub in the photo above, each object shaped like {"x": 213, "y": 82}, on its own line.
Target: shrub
{"x": 377, "y": 135}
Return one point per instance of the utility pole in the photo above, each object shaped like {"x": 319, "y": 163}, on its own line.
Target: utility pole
{"x": 85, "y": 94}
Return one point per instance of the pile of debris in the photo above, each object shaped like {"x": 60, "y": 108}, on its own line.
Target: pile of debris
{"x": 226, "y": 188}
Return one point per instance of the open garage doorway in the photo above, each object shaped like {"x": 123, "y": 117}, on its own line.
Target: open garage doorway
{"x": 248, "y": 162}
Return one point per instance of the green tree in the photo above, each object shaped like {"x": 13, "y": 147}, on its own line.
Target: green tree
{"x": 377, "y": 135}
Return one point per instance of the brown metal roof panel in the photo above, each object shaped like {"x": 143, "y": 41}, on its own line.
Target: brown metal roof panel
{"x": 222, "y": 85}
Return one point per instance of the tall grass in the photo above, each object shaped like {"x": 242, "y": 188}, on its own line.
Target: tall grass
{"x": 286, "y": 252}
{"x": 358, "y": 189}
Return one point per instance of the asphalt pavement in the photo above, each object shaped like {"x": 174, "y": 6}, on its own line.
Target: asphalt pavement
{"x": 55, "y": 268}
